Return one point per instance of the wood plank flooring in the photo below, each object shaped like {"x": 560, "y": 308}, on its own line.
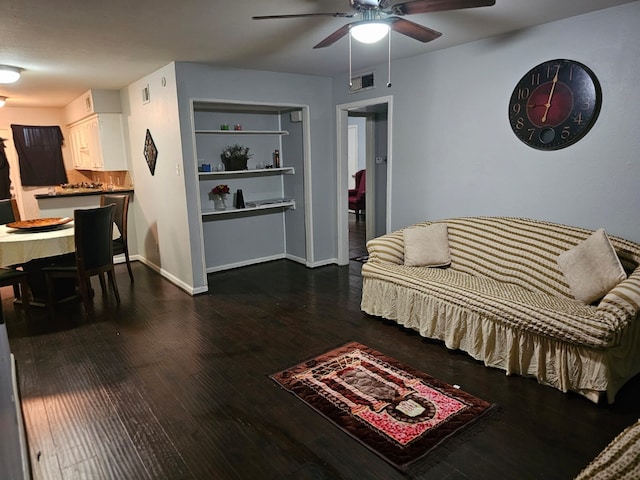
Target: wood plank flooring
{"x": 170, "y": 386}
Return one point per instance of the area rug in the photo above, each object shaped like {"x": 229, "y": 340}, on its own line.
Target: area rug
{"x": 361, "y": 258}
{"x": 398, "y": 412}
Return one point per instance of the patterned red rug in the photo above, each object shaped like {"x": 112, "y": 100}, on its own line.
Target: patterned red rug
{"x": 396, "y": 411}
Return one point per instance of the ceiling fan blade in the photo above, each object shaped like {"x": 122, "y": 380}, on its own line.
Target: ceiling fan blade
{"x": 427, "y": 6}
{"x": 413, "y": 30}
{"x": 299, "y": 15}
{"x": 334, "y": 37}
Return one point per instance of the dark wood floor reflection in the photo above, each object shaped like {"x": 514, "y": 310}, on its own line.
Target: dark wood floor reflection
{"x": 177, "y": 387}
{"x": 357, "y": 237}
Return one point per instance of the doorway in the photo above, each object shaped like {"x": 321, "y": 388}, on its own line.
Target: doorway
{"x": 373, "y": 148}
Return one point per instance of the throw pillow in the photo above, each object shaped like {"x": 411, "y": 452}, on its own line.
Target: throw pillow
{"x": 427, "y": 246}
{"x": 592, "y": 267}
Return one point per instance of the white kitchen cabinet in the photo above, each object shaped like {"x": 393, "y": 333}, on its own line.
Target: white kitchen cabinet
{"x": 91, "y": 102}
{"x": 97, "y": 143}
{"x": 271, "y": 226}
{"x": 79, "y": 143}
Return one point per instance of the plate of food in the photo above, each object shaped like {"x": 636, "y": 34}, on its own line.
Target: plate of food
{"x": 40, "y": 223}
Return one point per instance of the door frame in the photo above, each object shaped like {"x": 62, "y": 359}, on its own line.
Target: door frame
{"x": 342, "y": 203}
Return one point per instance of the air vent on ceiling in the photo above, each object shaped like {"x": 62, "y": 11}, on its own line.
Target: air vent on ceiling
{"x": 361, "y": 82}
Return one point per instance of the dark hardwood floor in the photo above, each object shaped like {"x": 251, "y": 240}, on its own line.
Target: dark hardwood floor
{"x": 170, "y": 386}
{"x": 357, "y": 236}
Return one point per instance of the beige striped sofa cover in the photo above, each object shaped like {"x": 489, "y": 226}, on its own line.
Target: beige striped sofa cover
{"x": 504, "y": 301}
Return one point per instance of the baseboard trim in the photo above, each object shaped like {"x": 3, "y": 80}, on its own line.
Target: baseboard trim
{"x": 172, "y": 278}
{"x": 322, "y": 263}
{"x": 229, "y": 266}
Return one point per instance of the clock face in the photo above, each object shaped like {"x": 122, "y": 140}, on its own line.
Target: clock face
{"x": 555, "y": 104}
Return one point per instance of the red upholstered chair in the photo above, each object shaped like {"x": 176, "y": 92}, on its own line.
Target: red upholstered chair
{"x": 357, "y": 195}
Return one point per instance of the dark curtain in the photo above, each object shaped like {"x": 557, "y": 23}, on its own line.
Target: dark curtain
{"x": 5, "y": 179}
{"x": 39, "y": 155}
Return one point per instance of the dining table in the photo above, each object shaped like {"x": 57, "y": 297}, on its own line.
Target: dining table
{"x": 32, "y": 248}
{"x": 18, "y": 247}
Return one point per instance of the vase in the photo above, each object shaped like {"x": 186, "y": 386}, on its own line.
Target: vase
{"x": 219, "y": 202}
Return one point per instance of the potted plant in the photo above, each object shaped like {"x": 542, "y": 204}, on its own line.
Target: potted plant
{"x": 234, "y": 157}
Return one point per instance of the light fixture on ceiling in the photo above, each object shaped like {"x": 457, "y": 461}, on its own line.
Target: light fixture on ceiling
{"x": 9, "y": 74}
{"x": 380, "y": 37}
{"x": 370, "y": 32}
{"x": 3, "y": 100}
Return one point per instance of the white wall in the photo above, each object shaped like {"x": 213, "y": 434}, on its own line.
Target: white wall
{"x": 454, "y": 152}
{"x": 160, "y": 207}
{"x": 30, "y": 116}
{"x": 196, "y": 81}
{"x": 166, "y": 216}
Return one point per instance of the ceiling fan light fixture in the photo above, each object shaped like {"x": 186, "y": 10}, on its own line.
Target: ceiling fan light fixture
{"x": 3, "y": 100}
{"x": 9, "y": 74}
{"x": 369, "y": 32}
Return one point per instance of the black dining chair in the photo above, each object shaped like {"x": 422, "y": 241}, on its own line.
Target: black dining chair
{"x": 121, "y": 244}
{"x": 12, "y": 276}
{"x": 93, "y": 233}
{"x": 7, "y": 213}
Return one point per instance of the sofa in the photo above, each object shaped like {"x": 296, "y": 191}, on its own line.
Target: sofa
{"x": 619, "y": 459}
{"x": 533, "y": 298}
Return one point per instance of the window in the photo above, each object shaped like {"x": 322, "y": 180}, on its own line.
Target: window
{"x": 39, "y": 155}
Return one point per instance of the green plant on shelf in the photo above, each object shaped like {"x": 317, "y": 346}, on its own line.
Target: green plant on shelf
{"x": 235, "y": 157}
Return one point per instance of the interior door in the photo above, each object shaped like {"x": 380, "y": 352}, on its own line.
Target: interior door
{"x": 352, "y": 153}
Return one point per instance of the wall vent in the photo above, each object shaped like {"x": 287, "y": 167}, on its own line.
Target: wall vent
{"x": 361, "y": 82}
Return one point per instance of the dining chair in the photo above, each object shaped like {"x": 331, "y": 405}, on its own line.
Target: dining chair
{"x": 93, "y": 233}
{"x": 19, "y": 280}
{"x": 11, "y": 276}
{"x": 9, "y": 211}
{"x": 120, "y": 245}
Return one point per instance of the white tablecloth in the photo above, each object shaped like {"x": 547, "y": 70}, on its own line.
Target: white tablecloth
{"x": 20, "y": 246}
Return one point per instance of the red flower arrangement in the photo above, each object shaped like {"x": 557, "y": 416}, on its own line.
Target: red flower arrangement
{"x": 220, "y": 190}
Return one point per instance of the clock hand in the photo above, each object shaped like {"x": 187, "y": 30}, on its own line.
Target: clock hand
{"x": 553, "y": 87}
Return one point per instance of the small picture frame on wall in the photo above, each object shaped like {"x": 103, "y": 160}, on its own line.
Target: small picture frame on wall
{"x": 150, "y": 152}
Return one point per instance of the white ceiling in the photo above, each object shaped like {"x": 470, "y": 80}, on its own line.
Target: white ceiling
{"x": 69, "y": 46}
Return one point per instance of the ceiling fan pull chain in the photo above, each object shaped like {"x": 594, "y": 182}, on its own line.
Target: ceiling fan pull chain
{"x": 389, "y": 65}
{"x": 350, "y": 76}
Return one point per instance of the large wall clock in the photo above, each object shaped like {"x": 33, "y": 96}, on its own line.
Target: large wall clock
{"x": 555, "y": 104}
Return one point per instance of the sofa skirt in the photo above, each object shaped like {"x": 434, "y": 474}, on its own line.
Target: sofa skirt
{"x": 566, "y": 366}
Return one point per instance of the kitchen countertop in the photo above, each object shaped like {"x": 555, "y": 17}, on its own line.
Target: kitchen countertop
{"x": 82, "y": 192}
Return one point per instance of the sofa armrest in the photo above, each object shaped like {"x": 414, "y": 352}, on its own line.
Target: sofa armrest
{"x": 388, "y": 248}
{"x": 622, "y": 304}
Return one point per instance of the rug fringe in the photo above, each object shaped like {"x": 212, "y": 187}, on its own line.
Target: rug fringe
{"x": 420, "y": 466}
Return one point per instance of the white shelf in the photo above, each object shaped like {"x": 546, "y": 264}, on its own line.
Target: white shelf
{"x": 249, "y": 173}
{"x": 229, "y": 211}
{"x": 258, "y": 231}
{"x": 244, "y": 132}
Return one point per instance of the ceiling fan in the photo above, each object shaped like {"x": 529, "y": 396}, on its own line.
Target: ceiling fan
{"x": 385, "y": 15}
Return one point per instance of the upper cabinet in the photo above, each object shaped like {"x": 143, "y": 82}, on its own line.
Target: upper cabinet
{"x": 91, "y": 102}
{"x": 96, "y": 131}
{"x": 97, "y": 143}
